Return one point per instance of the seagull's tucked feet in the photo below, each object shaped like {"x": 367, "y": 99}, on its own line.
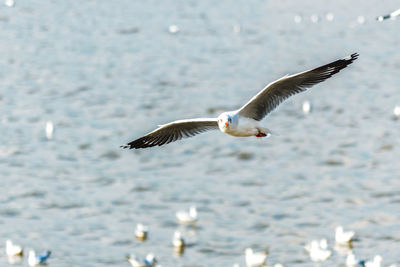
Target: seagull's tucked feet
{"x": 260, "y": 134}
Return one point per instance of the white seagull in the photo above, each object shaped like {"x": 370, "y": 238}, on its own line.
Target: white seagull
{"x": 376, "y": 262}
{"x": 34, "y": 259}
{"x": 141, "y": 232}
{"x": 392, "y": 15}
{"x": 246, "y": 120}
{"x": 342, "y": 237}
{"x": 49, "y": 130}
{"x": 351, "y": 260}
{"x": 187, "y": 217}
{"x": 149, "y": 261}
{"x": 318, "y": 250}
{"x": 255, "y": 259}
{"x": 12, "y": 249}
{"x": 178, "y": 242}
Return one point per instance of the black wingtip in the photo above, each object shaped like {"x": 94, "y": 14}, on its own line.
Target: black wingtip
{"x": 142, "y": 142}
{"x": 382, "y": 18}
{"x": 352, "y": 57}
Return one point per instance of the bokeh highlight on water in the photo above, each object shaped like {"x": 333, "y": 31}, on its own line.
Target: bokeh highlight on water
{"x": 105, "y": 72}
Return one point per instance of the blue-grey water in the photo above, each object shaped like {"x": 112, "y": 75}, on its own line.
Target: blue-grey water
{"x": 106, "y": 72}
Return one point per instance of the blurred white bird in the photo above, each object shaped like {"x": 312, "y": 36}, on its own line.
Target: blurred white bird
{"x": 396, "y": 111}
{"x": 49, "y": 130}
{"x": 187, "y": 217}
{"x": 307, "y": 107}
{"x": 9, "y": 3}
{"x": 255, "y": 259}
{"x": 13, "y": 250}
{"x": 173, "y": 29}
{"x": 149, "y": 261}
{"x": 318, "y": 250}
{"x": 141, "y": 232}
{"x": 178, "y": 242}
{"x": 376, "y": 262}
{"x": 34, "y": 259}
{"x": 351, "y": 260}
{"x": 342, "y": 237}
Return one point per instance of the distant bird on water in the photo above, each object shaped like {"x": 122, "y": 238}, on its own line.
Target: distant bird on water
{"x": 342, "y": 237}
{"x": 34, "y": 259}
{"x": 392, "y": 15}
{"x": 13, "y": 250}
{"x": 187, "y": 217}
{"x": 245, "y": 121}
{"x": 49, "y": 130}
{"x": 376, "y": 262}
{"x": 255, "y": 259}
{"x": 178, "y": 242}
{"x": 318, "y": 250}
{"x": 149, "y": 261}
{"x": 141, "y": 232}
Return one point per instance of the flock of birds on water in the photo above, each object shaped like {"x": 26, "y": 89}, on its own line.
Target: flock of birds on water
{"x": 252, "y": 112}
{"x": 318, "y": 250}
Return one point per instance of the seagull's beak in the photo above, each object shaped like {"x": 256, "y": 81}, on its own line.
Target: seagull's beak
{"x": 226, "y": 123}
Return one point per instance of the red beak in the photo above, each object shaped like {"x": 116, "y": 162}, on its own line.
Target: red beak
{"x": 226, "y": 123}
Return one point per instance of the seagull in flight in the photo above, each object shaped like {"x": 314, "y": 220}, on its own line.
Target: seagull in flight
{"x": 245, "y": 121}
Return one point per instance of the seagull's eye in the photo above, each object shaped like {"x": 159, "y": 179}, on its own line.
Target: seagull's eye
{"x": 230, "y": 120}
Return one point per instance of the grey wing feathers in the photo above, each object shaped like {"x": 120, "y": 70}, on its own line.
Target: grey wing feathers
{"x": 173, "y": 131}
{"x": 276, "y": 92}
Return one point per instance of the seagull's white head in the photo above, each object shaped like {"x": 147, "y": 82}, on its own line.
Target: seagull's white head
{"x": 224, "y": 121}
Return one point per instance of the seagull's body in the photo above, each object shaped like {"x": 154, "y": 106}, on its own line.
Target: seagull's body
{"x": 351, "y": 260}
{"x": 245, "y": 121}
{"x": 376, "y": 262}
{"x": 149, "y": 261}
{"x": 342, "y": 237}
{"x": 318, "y": 250}
{"x": 34, "y": 259}
{"x": 187, "y": 217}
{"x": 141, "y": 232}
{"x": 255, "y": 259}
{"x": 49, "y": 130}
{"x": 392, "y": 15}
{"x": 178, "y": 242}
{"x": 13, "y": 250}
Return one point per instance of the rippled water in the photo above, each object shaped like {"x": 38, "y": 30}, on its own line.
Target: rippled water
{"x": 105, "y": 72}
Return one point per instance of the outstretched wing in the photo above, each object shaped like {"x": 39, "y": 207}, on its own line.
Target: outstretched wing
{"x": 173, "y": 131}
{"x": 276, "y": 92}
